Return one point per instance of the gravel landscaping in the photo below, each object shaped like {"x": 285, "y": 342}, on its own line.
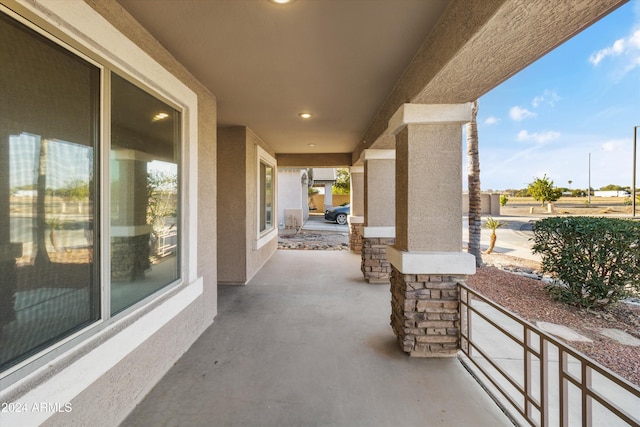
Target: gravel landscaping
{"x": 314, "y": 240}
{"x": 527, "y": 298}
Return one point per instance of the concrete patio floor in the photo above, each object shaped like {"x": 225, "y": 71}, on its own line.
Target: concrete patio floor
{"x": 308, "y": 343}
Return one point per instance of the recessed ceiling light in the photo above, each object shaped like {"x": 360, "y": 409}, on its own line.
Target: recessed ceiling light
{"x": 311, "y": 145}
{"x": 160, "y": 116}
{"x": 281, "y": 1}
{"x": 305, "y": 115}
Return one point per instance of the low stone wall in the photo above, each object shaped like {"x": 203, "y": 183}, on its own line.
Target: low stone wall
{"x": 375, "y": 265}
{"x": 355, "y": 237}
{"x": 425, "y": 313}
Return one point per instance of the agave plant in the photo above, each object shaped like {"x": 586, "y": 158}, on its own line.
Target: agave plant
{"x": 492, "y": 225}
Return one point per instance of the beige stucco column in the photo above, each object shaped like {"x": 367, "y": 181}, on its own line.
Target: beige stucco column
{"x": 379, "y": 213}
{"x": 328, "y": 196}
{"x": 356, "y": 201}
{"x": 427, "y": 259}
{"x": 130, "y": 232}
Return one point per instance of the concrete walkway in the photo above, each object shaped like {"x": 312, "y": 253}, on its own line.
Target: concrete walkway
{"x": 308, "y": 343}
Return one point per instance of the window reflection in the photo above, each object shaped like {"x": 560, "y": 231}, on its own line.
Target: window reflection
{"x": 48, "y": 134}
{"x": 266, "y": 196}
{"x": 144, "y": 194}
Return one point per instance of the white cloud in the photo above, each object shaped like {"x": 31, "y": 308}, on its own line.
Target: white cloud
{"x": 549, "y": 97}
{"x": 615, "y": 49}
{"x": 634, "y": 40}
{"x": 491, "y": 120}
{"x": 611, "y": 146}
{"x": 628, "y": 47}
{"x": 518, "y": 113}
{"x": 539, "y": 138}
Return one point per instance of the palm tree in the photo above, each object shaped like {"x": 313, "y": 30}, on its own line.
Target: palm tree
{"x": 492, "y": 225}
{"x": 473, "y": 167}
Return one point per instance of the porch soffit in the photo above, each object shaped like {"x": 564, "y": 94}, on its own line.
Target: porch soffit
{"x": 266, "y": 63}
{"x": 353, "y": 63}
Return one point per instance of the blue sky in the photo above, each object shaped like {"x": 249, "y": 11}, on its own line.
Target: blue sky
{"x": 581, "y": 98}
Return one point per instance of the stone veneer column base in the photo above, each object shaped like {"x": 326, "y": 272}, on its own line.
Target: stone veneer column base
{"x": 375, "y": 266}
{"x": 355, "y": 237}
{"x": 425, "y": 313}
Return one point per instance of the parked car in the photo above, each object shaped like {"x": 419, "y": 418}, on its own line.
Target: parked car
{"x": 338, "y": 214}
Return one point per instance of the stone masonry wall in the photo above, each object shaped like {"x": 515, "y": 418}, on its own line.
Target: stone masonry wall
{"x": 375, "y": 266}
{"x": 130, "y": 257}
{"x": 355, "y": 238}
{"x": 425, "y": 313}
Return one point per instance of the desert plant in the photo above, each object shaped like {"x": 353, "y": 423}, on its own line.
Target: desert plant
{"x": 492, "y": 225}
{"x": 595, "y": 260}
{"x": 54, "y": 224}
{"x": 503, "y": 199}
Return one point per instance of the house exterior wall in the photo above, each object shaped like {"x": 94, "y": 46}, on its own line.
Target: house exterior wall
{"x": 110, "y": 372}
{"x": 232, "y": 205}
{"x": 292, "y": 194}
{"x": 257, "y": 257}
{"x": 242, "y": 257}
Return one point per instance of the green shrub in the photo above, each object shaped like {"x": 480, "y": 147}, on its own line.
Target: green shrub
{"x": 596, "y": 260}
{"x": 503, "y": 199}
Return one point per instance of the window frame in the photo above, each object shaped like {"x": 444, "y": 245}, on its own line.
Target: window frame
{"x": 265, "y": 236}
{"x": 102, "y": 46}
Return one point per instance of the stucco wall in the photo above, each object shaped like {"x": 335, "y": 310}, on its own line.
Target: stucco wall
{"x": 380, "y": 193}
{"x": 125, "y": 380}
{"x": 232, "y": 205}
{"x": 256, "y": 258}
{"x": 290, "y": 192}
{"x": 240, "y": 258}
{"x": 428, "y": 184}
{"x": 357, "y": 194}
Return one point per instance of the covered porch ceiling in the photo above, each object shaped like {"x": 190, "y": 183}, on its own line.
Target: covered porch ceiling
{"x": 352, "y": 63}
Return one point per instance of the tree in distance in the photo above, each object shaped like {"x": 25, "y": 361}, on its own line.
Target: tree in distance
{"x": 542, "y": 190}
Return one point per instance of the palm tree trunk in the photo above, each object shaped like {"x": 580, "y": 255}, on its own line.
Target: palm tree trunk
{"x": 42, "y": 257}
{"x": 473, "y": 167}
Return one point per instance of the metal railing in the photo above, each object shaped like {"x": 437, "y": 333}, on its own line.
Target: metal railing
{"x": 535, "y": 378}
{"x": 167, "y": 242}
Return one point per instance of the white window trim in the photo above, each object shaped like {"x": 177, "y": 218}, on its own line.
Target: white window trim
{"x": 264, "y": 237}
{"x": 75, "y": 23}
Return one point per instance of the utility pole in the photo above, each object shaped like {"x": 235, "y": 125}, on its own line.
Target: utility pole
{"x": 589, "y": 187}
{"x": 633, "y": 186}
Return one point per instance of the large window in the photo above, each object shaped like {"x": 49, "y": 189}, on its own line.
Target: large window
{"x": 49, "y": 106}
{"x": 51, "y": 176}
{"x": 266, "y": 196}
{"x": 144, "y": 194}
{"x": 266, "y": 206}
